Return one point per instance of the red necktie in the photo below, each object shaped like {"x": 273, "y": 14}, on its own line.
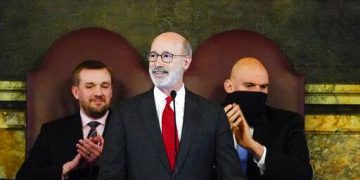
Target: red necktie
{"x": 169, "y": 133}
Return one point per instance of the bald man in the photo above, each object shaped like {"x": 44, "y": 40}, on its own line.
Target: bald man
{"x": 270, "y": 142}
{"x": 146, "y": 141}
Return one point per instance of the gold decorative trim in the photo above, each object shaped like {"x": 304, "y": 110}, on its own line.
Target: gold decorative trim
{"x": 12, "y": 91}
{"x": 12, "y": 150}
{"x": 332, "y": 94}
{"x": 332, "y": 123}
{"x": 12, "y": 85}
{"x": 346, "y": 94}
{"x": 10, "y": 119}
{"x": 12, "y": 96}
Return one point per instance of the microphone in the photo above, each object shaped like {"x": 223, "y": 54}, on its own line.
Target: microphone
{"x": 173, "y": 95}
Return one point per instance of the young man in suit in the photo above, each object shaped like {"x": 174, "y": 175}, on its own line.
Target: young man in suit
{"x": 69, "y": 148}
{"x": 146, "y": 140}
{"x": 272, "y": 141}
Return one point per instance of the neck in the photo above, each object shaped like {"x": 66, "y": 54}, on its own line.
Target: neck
{"x": 167, "y": 90}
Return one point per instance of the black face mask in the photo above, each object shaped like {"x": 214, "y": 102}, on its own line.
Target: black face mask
{"x": 252, "y": 104}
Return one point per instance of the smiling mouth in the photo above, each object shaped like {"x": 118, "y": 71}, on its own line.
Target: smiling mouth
{"x": 98, "y": 101}
{"x": 160, "y": 73}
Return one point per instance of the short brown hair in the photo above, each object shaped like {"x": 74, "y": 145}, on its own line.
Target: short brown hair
{"x": 88, "y": 64}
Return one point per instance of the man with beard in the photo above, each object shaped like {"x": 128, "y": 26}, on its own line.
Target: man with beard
{"x": 69, "y": 148}
{"x": 270, "y": 142}
{"x": 146, "y": 140}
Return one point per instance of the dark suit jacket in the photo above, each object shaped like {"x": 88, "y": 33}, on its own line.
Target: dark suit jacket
{"x": 56, "y": 145}
{"x": 287, "y": 152}
{"x": 134, "y": 147}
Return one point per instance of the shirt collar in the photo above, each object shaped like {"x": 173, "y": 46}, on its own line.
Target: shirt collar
{"x": 85, "y": 119}
{"x": 160, "y": 96}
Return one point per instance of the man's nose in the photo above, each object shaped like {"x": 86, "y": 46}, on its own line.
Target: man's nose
{"x": 98, "y": 91}
{"x": 258, "y": 89}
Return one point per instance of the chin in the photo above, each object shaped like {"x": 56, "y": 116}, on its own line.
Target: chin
{"x": 98, "y": 110}
{"x": 161, "y": 84}
{"x": 97, "y": 114}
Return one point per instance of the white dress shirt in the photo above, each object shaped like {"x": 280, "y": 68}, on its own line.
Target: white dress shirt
{"x": 160, "y": 102}
{"x": 86, "y": 119}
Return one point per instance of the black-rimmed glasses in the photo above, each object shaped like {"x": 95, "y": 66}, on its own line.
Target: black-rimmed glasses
{"x": 166, "y": 57}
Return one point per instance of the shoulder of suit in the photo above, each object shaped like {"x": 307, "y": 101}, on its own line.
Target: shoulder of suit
{"x": 63, "y": 121}
{"x": 133, "y": 102}
{"x": 201, "y": 100}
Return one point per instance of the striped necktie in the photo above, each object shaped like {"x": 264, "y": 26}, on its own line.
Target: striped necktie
{"x": 92, "y": 132}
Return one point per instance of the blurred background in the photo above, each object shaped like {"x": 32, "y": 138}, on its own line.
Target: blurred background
{"x": 319, "y": 38}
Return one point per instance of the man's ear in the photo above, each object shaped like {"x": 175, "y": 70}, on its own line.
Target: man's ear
{"x": 75, "y": 91}
{"x": 228, "y": 86}
{"x": 187, "y": 62}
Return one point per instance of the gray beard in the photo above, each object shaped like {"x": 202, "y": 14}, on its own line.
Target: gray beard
{"x": 167, "y": 82}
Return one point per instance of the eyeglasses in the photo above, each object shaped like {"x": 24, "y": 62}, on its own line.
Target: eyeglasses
{"x": 166, "y": 57}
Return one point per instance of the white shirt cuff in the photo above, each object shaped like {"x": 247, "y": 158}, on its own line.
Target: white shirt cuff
{"x": 261, "y": 163}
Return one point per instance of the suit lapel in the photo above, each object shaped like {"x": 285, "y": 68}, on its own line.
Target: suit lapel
{"x": 261, "y": 131}
{"x": 192, "y": 117}
{"x": 77, "y": 124}
{"x": 147, "y": 110}
{"x": 73, "y": 131}
{"x": 106, "y": 122}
